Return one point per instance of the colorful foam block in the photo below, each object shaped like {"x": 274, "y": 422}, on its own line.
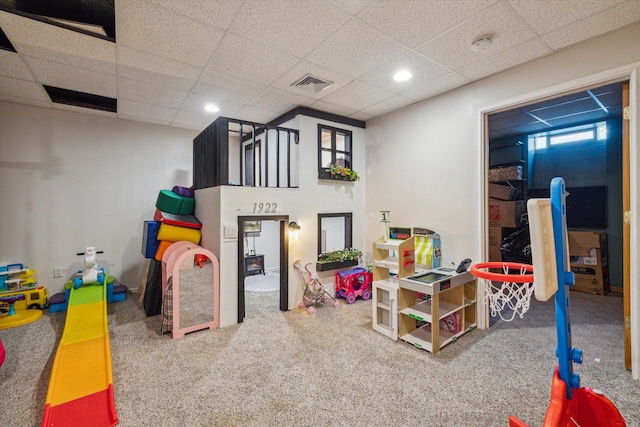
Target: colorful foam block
{"x": 150, "y": 238}
{"x": 183, "y": 191}
{"x": 172, "y": 233}
{"x": 188, "y": 221}
{"x": 188, "y": 206}
{"x": 161, "y": 248}
{"x": 168, "y": 201}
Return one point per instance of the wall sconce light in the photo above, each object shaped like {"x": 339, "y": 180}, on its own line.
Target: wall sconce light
{"x": 294, "y": 230}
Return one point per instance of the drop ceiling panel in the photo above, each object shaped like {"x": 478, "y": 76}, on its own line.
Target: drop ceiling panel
{"x": 22, "y": 89}
{"x": 453, "y": 48}
{"x": 144, "y": 26}
{"x": 225, "y": 87}
{"x": 190, "y": 120}
{"x": 25, "y": 101}
{"x": 269, "y": 22}
{"x": 151, "y": 113}
{"x": 356, "y": 49}
{"x": 422, "y": 69}
{"x": 281, "y": 101}
{"x": 390, "y": 104}
{"x": 219, "y": 13}
{"x": 91, "y": 111}
{"x": 254, "y": 114}
{"x": 196, "y": 103}
{"x": 595, "y": 25}
{"x": 559, "y": 110}
{"x": 504, "y": 60}
{"x": 68, "y": 77}
{"x": 576, "y": 117}
{"x": 361, "y": 116}
{"x": 332, "y": 108}
{"x": 358, "y": 95}
{"x": 11, "y": 65}
{"x": 147, "y": 93}
{"x": 41, "y": 40}
{"x": 557, "y": 14}
{"x": 146, "y": 67}
{"x": 437, "y": 86}
{"x": 405, "y": 20}
{"x": 352, "y": 7}
{"x": 246, "y": 59}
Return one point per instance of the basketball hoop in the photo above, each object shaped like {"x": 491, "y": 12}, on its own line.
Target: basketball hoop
{"x": 504, "y": 290}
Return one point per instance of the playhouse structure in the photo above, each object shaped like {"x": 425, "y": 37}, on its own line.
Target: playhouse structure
{"x": 247, "y": 171}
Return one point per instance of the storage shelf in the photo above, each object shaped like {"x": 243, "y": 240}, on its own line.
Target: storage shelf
{"x": 420, "y": 338}
{"x": 422, "y": 311}
{"x": 391, "y": 282}
{"x": 390, "y": 245}
{"x": 452, "y": 294}
{"x": 21, "y": 270}
{"x": 390, "y": 262}
{"x": 391, "y": 256}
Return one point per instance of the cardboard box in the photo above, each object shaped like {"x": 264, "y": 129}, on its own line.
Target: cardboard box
{"x": 495, "y": 240}
{"x": 506, "y": 214}
{"x": 502, "y": 192}
{"x": 507, "y": 173}
{"x": 589, "y": 262}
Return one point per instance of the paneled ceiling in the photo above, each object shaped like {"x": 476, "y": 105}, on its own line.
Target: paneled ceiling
{"x": 590, "y": 105}
{"x": 162, "y": 61}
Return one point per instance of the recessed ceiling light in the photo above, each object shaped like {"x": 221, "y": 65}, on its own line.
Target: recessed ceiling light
{"x": 212, "y": 108}
{"x": 402, "y": 75}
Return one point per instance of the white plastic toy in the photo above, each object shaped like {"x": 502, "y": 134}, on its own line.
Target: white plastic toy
{"x": 91, "y": 272}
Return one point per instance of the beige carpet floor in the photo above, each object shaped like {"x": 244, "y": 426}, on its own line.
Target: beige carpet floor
{"x": 328, "y": 369}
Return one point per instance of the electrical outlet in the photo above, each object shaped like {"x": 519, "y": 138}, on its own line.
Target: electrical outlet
{"x": 57, "y": 271}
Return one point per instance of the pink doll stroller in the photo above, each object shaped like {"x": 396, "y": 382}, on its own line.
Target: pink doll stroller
{"x": 314, "y": 292}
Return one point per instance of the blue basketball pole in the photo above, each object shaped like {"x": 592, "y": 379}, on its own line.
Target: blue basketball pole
{"x": 565, "y": 353}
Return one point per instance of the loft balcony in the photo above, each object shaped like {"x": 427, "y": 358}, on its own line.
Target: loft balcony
{"x": 241, "y": 153}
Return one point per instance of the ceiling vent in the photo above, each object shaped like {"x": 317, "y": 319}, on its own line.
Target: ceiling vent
{"x": 312, "y": 81}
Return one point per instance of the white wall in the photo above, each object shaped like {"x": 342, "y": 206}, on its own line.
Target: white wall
{"x": 267, "y": 243}
{"x": 71, "y": 180}
{"x": 427, "y": 164}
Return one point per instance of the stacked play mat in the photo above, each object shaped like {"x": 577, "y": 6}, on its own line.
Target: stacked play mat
{"x": 173, "y": 222}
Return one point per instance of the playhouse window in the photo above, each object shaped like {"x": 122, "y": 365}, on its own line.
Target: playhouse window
{"x": 334, "y": 231}
{"x": 334, "y": 147}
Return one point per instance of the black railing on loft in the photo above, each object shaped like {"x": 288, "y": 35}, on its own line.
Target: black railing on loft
{"x": 264, "y": 155}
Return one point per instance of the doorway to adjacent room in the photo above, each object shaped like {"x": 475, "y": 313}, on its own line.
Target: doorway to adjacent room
{"x": 262, "y": 265}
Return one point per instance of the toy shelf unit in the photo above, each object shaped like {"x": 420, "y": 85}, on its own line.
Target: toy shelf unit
{"x": 436, "y": 307}
{"x": 14, "y": 277}
{"x": 392, "y": 259}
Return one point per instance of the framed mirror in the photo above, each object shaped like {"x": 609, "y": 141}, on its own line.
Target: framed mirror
{"x": 196, "y": 293}
{"x": 334, "y": 231}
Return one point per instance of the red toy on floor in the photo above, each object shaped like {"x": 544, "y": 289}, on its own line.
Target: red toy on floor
{"x": 354, "y": 283}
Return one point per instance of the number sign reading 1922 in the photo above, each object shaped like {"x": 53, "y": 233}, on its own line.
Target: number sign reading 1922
{"x": 262, "y": 207}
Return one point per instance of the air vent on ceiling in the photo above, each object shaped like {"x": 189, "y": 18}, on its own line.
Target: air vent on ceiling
{"x": 312, "y": 81}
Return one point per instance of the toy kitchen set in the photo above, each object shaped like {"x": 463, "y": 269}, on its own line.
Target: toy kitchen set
{"x": 420, "y": 302}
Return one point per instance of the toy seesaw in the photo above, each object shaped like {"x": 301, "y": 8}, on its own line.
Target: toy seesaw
{"x": 570, "y": 404}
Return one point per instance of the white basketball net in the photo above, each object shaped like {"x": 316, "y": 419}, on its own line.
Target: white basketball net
{"x": 509, "y": 295}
